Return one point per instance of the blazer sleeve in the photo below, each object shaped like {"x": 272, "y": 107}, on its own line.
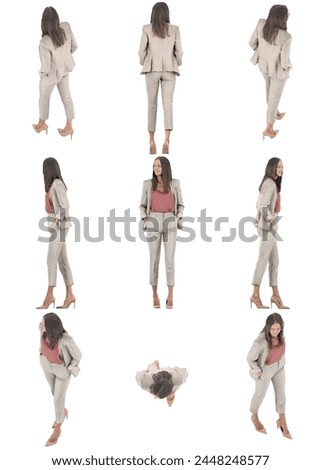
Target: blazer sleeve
{"x": 285, "y": 55}
{"x": 144, "y": 378}
{"x": 143, "y": 47}
{"x": 178, "y": 52}
{"x": 45, "y": 59}
{"x": 75, "y": 354}
{"x": 254, "y": 41}
{"x": 73, "y": 43}
{"x": 252, "y": 359}
{"x": 180, "y": 376}
{"x": 61, "y": 198}
{"x": 265, "y": 199}
{"x": 180, "y": 203}
{"x": 143, "y": 202}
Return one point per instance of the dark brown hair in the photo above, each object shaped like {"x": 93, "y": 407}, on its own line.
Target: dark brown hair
{"x": 277, "y": 19}
{"x": 270, "y": 321}
{"x": 270, "y": 172}
{"x": 54, "y": 329}
{"x": 160, "y": 19}
{"x": 50, "y": 25}
{"x": 51, "y": 172}
{"x": 166, "y": 174}
{"x": 163, "y": 384}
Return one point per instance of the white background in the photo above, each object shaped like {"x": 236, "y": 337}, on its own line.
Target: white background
{"x": 218, "y": 154}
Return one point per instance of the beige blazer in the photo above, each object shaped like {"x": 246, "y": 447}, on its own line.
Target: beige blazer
{"x": 147, "y": 194}
{"x": 58, "y": 198}
{"x": 160, "y": 54}
{"x": 266, "y": 204}
{"x": 258, "y": 355}
{"x": 145, "y": 377}
{"x": 273, "y": 59}
{"x": 57, "y": 62}
{"x": 69, "y": 352}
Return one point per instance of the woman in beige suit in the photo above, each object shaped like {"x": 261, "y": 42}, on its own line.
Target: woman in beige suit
{"x": 59, "y": 358}
{"x": 266, "y": 359}
{"x": 268, "y": 207}
{"x": 271, "y": 43}
{"x": 161, "y": 208}
{"x": 160, "y": 54}
{"x": 57, "y": 206}
{"x": 56, "y": 48}
{"x": 162, "y": 382}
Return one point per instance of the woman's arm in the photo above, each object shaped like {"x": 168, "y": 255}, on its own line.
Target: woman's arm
{"x": 73, "y": 43}
{"x": 178, "y": 52}
{"x": 75, "y": 354}
{"x": 252, "y": 359}
{"x": 45, "y": 59}
{"x": 180, "y": 203}
{"x": 143, "y": 202}
{"x": 285, "y": 55}
{"x": 267, "y": 194}
{"x": 143, "y": 47}
{"x": 254, "y": 41}
{"x": 60, "y": 197}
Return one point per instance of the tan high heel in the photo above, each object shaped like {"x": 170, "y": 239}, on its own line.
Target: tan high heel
{"x": 278, "y": 302}
{"x": 152, "y": 148}
{"x": 42, "y": 127}
{"x": 269, "y": 133}
{"x": 258, "y": 425}
{"x": 156, "y": 302}
{"x": 169, "y": 303}
{"x": 257, "y": 302}
{"x": 165, "y": 149}
{"x": 70, "y": 299}
{"x": 280, "y": 116}
{"x": 284, "y": 429}
{"x": 46, "y": 303}
{"x": 66, "y": 131}
{"x": 66, "y": 412}
{"x": 54, "y": 436}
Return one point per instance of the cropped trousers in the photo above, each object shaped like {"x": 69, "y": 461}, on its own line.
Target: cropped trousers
{"x": 271, "y": 373}
{"x": 268, "y": 254}
{"x": 161, "y": 227}
{"x": 46, "y": 87}
{"x": 57, "y": 255}
{"x": 59, "y": 379}
{"x": 167, "y": 81}
{"x": 274, "y": 90}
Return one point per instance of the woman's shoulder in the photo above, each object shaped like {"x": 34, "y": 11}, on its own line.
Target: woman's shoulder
{"x": 58, "y": 183}
{"x": 147, "y": 27}
{"x": 173, "y": 27}
{"x": 284, "y": 35}
{"x": 66, "y": 26}
{"x": 45, "y": 41}
{"x": 268, "y": 183}
{"x": 261, "y": 23}
{"x": 260, "y": 340}
{"x": 175, "y": 182}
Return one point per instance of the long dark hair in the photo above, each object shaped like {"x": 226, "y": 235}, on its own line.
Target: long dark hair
{"x": 270, "y": 321}
{"x": 54, "y": 329}
{"x": 160, "y": 19}
{"x": 166, "y": 174}
{"x": 277, "y": 19}
{"x": 50, "y": 25}
{"x": 163, "y": 384}
{"x": 270, "y": 172}
{"x": 51, "y": 172}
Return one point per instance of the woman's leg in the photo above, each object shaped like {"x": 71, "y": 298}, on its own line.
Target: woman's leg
{"x": 63, "y": 88}
{"x": 267, "y": 241}
{"x": 170, "y": 236}
{"x": 168, "y": 81}
{"x": 45, "y": 90}
{"x": 152, "y": 84}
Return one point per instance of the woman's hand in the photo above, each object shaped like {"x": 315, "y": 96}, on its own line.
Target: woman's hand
{"x": 170, "y": 399}
{"x": 57, "y": 221}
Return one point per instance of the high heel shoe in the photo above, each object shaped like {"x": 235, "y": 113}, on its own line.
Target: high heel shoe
{"x": 169, "y": 303}
{"x": 280, "y": 116}
{"x": 42, "y": 127}
{"x": 152, "y": 148}
{"x": 54, "y": 436}
{"x": 71, "y": 299}
{"x": 156, "y": 302}
{"x": 284, "y": 429}
{"x": 66, "y": 131}
{"x": 165, "y": 148}
{"x": 278, "y": 302}
{"x": 269, "y": 133}
{"x": 257, "y": 302}
{"x": 65, "y": 417}
{"x": 46, "y": 303}
{"x": 258, "y": 425}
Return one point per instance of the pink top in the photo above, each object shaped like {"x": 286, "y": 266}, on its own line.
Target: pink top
{"x": 275, "y": 354}
{"x": 277, "y": 207}
{"x": 48, "y": 205}
{"x": 162, "y": 202}
{"x": 51, "y": 354}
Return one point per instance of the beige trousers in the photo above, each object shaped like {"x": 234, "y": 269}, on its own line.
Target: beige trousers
{"x": 161, "y": 227}
{"x": 167, "y": 81}
{"x": 271, "y": 373}
{"x": 58, "y": 378}
{"x": 57, "y": 254}
{"x": 268, "y": 254}
{"x": 274, "y": 90}
{"x": 46, "y": 87}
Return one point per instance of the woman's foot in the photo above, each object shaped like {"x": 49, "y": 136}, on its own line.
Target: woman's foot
{"x": 68, "y": 130}
{"x": 165, "y": 149}
{"x": 270, "y": 133}
{"x": 169, "y": 302}
{"x": 152, "y": 147}
{"x": 257, "y": 302}
{"x": 54, "y": 436}
{"x": 280, "y": 116}
{"x": 156, "y": 301}
{"x": 41, "y": 126}
{"x": 70, "y": 299}
{"x": 257, "y": 424}
{"x": 49, "y": 299}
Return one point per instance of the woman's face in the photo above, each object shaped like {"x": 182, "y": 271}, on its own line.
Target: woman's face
{"x": 275, "y": 330}
{"x": 279, "y": 169}
{"x": 157, "y": 167}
